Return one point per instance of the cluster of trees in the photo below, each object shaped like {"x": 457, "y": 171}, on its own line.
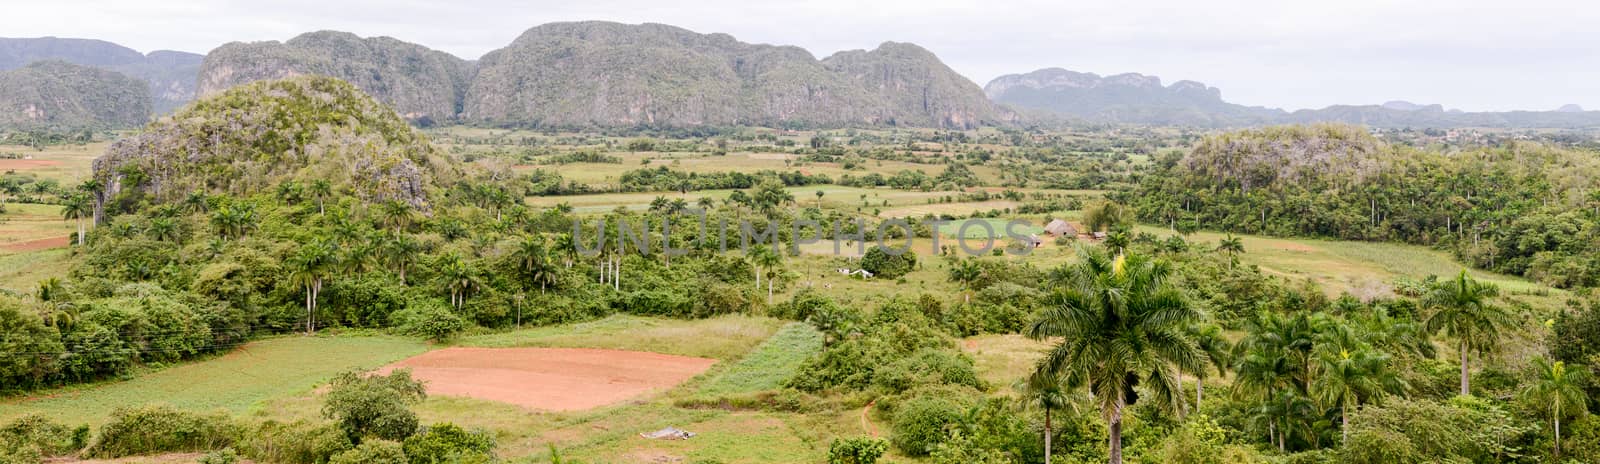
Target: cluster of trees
{"x": 1519, "y": 207}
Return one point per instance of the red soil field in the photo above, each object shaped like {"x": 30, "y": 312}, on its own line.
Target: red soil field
{"x": 552, "y": 379}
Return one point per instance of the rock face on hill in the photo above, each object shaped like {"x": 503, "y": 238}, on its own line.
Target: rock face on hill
{"x": 169, "y": 74}
{"x": 1122, "y": 98}
{"x": 256, "y": 137}
{"x": 61, "y": 95}
{"x": 610, "y": 74}
{"x": 424, "y": 85}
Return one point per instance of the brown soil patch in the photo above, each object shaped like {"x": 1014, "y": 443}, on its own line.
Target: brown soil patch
{"x": 36, "y": 245}
{"x": 24, "y": 164}
{"x": 554, "y": 379}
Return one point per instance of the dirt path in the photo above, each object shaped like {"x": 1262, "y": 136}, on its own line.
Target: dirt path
{"x": 866, "y": 424}
{"x": 36, "y": 245}
{"x": 554, "y": 379}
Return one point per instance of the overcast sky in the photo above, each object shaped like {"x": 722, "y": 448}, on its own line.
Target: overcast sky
{"x": 1474, "y": 55}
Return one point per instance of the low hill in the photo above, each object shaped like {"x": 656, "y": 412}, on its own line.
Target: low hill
{"x": 259, "y": 136}
{"x": 424, "y": 85}
{"x": 61, "y": 95}
{"x": 169, "y": 74}
{"x": 609, "y": 74}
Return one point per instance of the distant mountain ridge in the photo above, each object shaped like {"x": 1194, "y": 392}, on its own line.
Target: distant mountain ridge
{"x": 170, "y": 75}
{"x": 1133, "y": 98}
{"x": 420, "y": 83}
{"x": 1123, "y": 98}
{"x": 53, "y": 94}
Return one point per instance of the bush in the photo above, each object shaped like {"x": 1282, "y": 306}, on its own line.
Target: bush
{"x": 372, "y": 452}
{"x": 45, "y": 436}
{"x": 883, "y": 265}
{"x": 375, "y": 405}
{"x": 161, "y": 429}
{"x": 927, "y": 367}
{"x": 919, "y": 423}
{"x": 447, "y": 443}
{"x": 429, "y": 319}
{"x": 297, "y": 442}
{"x": 861, "y": 450}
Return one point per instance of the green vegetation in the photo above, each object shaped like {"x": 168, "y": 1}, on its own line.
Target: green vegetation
{"x": 319, "y": 236}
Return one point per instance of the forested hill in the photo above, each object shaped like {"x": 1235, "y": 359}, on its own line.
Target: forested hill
{"x": 422, "y": 84}
{"x": 1521, "y": 208}
{"x": 169, "y": 74}
{"x": 56, "y": 95}
{"x": 315, "y": 131}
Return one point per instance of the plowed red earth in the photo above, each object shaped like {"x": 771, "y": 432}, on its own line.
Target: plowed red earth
{"x": 552, "y": 379}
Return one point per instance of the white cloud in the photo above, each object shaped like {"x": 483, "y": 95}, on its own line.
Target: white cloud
{"x": 1470, "y": 54}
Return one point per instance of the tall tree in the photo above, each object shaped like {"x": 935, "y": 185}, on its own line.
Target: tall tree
{"x": 1046, "y": 394}
{"x": 1232, "y": 246}
{"x": 1218, "y": 351}
{"x": 1559, "y": 390}
{"x": 1348, "y": 378}
{"x": 1464, "y": 309}
{"x": 78, "y": 207}
{"x": 964, "y": 272}
{"x": 1120, "y": 324}
{"x": 309, "y": 266}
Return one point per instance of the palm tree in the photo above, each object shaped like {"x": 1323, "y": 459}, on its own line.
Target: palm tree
{"x": 1464, "y": 310}
{"x": 400, "y": 250}
{"x": 1118, "y": 241}
{"x": 163, "y": 229}
{"x": 819, "y": 206}
{"x": 320, "y": 190}
{"x": 1047, "y": 394}
{"x": 534, "y": 260}
{"x": 396, "y": 214}
{"x": 1120, "y": 324}
{"x": 1559, "y": 390}
{"x": 459, "y": 278}
{"x": 77, "y": 207}
{"x": 705, "y": 203}
{"x": 1218, "y": 351}
{"x": 196, "y": 202}
{"x": 308, "y": 267}
{"x": 966, "y": 273}
{"x": 1263, "y": 372}
{"x": 767, "y": 260}
{"x": 1352, "y": 378}
{"x": 1232, "y": 246}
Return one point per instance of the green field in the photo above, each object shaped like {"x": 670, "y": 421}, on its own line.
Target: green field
{"x": 239, "y": 382}
{"x": 769, "y": 364}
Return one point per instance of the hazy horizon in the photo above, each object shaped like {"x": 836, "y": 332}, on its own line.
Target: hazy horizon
{"x": 1535, "y": 56}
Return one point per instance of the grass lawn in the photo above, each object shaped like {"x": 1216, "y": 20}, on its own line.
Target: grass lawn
{"x": 67, "y": 163}
{"x": 22, "y": 272}
{"x": 238, "y": 381}
{"x": 27, "y": 222}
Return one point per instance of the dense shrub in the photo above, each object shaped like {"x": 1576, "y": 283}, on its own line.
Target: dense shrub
{"x": 446, "y": 443}
{"x": 429, "y": 319}
{"x": 297, "y": 442}
{"x": 859, "y": 450}
{"x": 222, "y": 456}
{"x": 927, "y": 367}
{"x": 161, "y": 429}
{"x": 23, "y": 331}
{"x": 42, "y": 436}
{"x": 374, "y": 405}
{"x": 884, "y": 265}
{"x": 1464, "y": 429}
{"x": 372, "y": 452}
{"x": 919, "y": 423}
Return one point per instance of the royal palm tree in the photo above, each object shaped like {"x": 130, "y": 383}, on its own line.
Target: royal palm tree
{"x": 459, "y": 278}
{"x": 400, "y": 250}
{"x": 1120, "y": 324}
{"x": 1464, "y": 309}
{"x": 163, "y": 229}
{"x": 534, "y": 261}
{"x": 965, "y": 272}
{"x": 320, "y": 190}
{"x": 1118, "y": 241}
{"x": 1347, "y": 379}
{"x": 309, "y": 266}
{"x": 78, "y": 207}
{"x": 196, "y": 202}
{"x": 1262, "y": 373}
{"x": 1218, "y": 351}
{"x": 1046, "y": 394}
{"x": 1232, "y": 246}
{"x": 768, "y": 260}
{"x": 1558, "y": 389}
{"x": 396, "y": 214}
